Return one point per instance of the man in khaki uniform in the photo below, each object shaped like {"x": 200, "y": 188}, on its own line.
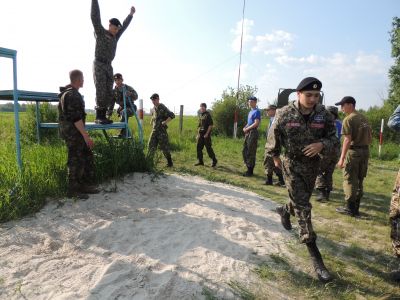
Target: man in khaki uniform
{"x": 357, "y": 135}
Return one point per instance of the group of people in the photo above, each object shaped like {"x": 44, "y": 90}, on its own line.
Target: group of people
{"x": 302, "y": 148}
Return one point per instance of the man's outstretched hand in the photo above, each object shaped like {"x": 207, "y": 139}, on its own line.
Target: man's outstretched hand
{"x": 133, "y": 10}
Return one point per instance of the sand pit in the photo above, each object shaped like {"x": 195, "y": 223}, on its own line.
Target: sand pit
{"x": 168, "y": 238}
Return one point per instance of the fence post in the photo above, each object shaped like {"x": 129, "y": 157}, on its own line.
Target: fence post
{"x": 141, "y": 111}
{"x": 380, "y": 139}
{"x": 181, "y": 119}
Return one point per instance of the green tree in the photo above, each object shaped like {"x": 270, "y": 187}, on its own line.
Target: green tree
{"x": 394, "y": 72}
{"x": 224, "y": 109}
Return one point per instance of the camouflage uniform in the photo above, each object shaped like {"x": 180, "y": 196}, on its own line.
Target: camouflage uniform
{"x": 106, "y": 46}
{"x": 159, "y": 135}
{"x": 269, "y": 166}
{"x": 118, "y": 98}
{"x": 394, "y": 211}
{"x": 205, "y": 120}
{"x": 80, "y": 163}
{"x": 291, "y": 131}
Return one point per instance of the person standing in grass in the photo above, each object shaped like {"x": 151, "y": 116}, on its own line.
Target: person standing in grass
{"x": 394, "y": 210}
{"x": 269, "y": 165}
{"x": 71, "y": 115}
{"x": 251, "y": 136}
{"x": 357, "y": 136}
{"x": 204, "y": 136}
{"x": 106, "y": 46}
{"x": 159, "y": 136}
{"x": 304, "y": 128}
{"x": 324, "y": 182}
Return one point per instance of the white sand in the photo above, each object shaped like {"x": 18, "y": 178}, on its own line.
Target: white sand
{"x": 163, "y": 239}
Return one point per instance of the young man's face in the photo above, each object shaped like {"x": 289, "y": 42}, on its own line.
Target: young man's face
{"x": 113, "y": 29}
{"x": 346, "y": 108}
{"x": 80, "y": 82}
{"x": 156, "y": 101}
{"x": 308, "y": 99}
{"x": 118, "y": 81}
{"x": 271, "y": 112}
{"x": 203, "y": 109}
{"x": 252, "y": 103}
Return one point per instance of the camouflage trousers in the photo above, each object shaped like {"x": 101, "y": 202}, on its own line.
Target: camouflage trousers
{"x": 201, "y": 142}
{"x": 354, "y": 172}
{"x": 300, "y": 175}
{"x": 269, "y": 166}
{"x": 394, "y": 216}
{"x": 250, "y": 148}
{"x": 103, "y": 81}
{"x": 159, "y": 137}
{"x": 80, "y": 161}
{"x": 326, "y": 169}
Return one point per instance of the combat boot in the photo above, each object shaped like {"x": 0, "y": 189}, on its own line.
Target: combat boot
{"x": 269, "y": 180}
{"x": 74, "y": 191}
{"x": 249, "y": 172}
{"x": 321, "y": 196}
{"x": 395, "y": 275}
{"x": 319, "y": 267}
{"x": 89, "y": 189}
{"x": 169, "y": 162}
{"x": 214, "y": 163}
{"x": 285, "y": 217}
{"x": 281, "y": 182}
{"x": 101, "y": 117}
{"x": 199, "y": 163}
{"x": 348, "y": 210}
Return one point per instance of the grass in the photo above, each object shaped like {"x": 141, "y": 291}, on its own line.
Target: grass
{"x": 357, "y": 251}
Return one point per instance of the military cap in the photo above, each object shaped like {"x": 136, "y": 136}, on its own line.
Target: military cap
{"x": 333, "y": 110}
{"x": 116, "y": 22}
{"x": 347, "y": 99}
{"x": 118, "y": 76}
{"x": 155, "y": 96}
{"x": 252, "y": 98}
{"x": 271, "y": 106}
{"x": 309, "y": 84}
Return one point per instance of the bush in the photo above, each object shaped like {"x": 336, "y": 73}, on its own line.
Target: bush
{"x": 224, "y": 110}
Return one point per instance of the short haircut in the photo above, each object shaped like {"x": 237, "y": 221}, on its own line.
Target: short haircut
{"x": 203, "y": 105}
{"x": 75, "y": 75}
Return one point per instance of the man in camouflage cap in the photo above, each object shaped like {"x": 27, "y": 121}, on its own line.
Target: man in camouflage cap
{"x": 159, "y": 136}
{"x": 304, "y": 129}
{"x": 394, "y": 211}
{"x": 324, "y": 182}
{"x": 71, "y": 114}
{"x": 131, "y": 96}
{"x": 269, "y": 165}
{"x": 106, "y": 46}
{"x": 204, "y": 136}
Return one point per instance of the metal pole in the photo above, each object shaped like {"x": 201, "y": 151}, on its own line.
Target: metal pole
{"x": 380, "y": 139}
{"x": 16, "y": 111}
{"x": 238, "y": 81}
{"x": 181, "y": 119}
{"x": 37, "y": 122}
{"x": 141, "y": 111}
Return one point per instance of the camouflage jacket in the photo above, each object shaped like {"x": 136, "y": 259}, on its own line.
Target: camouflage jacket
{"x": 106, "y": 43}
{"x": 291, "y": 131}
{"x": 205, "y": 120}
{"x": 119, "y": 96}
{"x": 160, "y": 114}
{"x": 71, "y": 108}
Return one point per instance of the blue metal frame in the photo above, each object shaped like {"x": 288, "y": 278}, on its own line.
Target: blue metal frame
{"x": 9, "y": 53}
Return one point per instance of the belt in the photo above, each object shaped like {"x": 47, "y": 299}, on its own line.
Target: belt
{"x": 352, "y": 147}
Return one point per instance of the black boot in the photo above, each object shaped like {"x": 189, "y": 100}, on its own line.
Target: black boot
{"x": 101, "y": 117}
{"x": 169, "y": 162}
{"x": 199, "y": 163}
{"x": 319, "y": 267}
{"x": 214, "y": 163}
{"x": 269, "y": 180}
{"x": 321, "y": 194}
{"x": 285, "y": 217}
{"x": 249, "y": 172}
{"x": 348, "y": 210}
{"x": 395, "y": 275}
{"x": 74, "y": 191}
{"x": 281, "y": 182}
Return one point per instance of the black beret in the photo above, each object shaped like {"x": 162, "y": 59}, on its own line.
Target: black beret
{"x": 118, "y": 76}
{"x": 309, "y": 84}
{"x": 252, "y": 98}
{"x": 347, "y": 99}
{"x": 155, "y": 96}
{"x": 116, "y": 22}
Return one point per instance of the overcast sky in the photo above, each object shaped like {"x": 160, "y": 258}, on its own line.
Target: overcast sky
{"x": 188, "y": 50}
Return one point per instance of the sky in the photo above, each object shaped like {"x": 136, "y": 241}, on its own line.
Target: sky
{"x": 187, "y": 51}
